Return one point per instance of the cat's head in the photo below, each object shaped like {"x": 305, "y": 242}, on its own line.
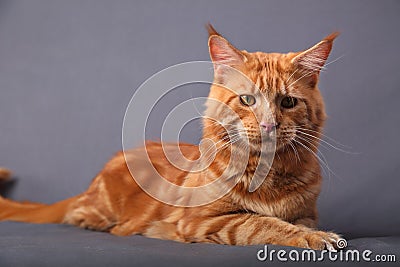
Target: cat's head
{"x": 266, "y": 96}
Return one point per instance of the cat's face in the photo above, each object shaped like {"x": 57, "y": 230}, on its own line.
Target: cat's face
{"x": 266, "y": 97}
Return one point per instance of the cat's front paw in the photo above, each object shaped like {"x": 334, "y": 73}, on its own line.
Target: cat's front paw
{"x": 317, "y": 240}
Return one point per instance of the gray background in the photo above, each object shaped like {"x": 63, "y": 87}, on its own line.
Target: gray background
{"x": 69, "y": 68}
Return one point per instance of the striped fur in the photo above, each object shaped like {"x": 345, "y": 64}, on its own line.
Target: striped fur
{"x": 281, "y": 211}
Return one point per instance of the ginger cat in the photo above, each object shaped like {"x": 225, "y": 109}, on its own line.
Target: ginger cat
{"x": 282, "y": 210}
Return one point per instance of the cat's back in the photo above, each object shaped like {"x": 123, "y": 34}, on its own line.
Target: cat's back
{"x": 170, "y": 161}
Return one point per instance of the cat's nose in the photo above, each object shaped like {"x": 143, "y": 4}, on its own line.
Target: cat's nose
{"x": 268, "y": 126}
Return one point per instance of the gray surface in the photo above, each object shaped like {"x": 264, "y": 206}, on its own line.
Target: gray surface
{"x": 60, "y": 245}
{"x": 69, "y": 68}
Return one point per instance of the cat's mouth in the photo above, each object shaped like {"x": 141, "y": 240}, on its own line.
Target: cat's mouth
{"x": 285, "y": 139}
{"x": 258, "y": 142}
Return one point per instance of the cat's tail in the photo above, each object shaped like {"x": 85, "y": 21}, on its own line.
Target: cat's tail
{"x": 32, "y": 212}
{"x": 4, "y": 174}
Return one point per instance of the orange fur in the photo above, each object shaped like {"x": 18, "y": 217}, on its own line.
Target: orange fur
{"x": 281, "y": 211}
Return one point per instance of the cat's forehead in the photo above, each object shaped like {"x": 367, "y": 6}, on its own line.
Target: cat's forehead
{"x": 268, "y": 71}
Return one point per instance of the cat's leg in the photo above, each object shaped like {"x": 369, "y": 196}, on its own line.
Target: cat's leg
{"x": 252, "y": 229}
{"x": 306, "y": 222}
{"x": 92, "y": 209}
{"x": 156, "y": 229}
{"x": 123, "y": 229}
{"x": 89, "y": 217}
{"x": 146, "y": 221}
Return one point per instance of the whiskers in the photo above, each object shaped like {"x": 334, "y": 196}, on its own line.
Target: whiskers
{"x": 291, "y": 148}
{"x": 309, "y": 140}
{"x": 310, "y": 135}
{"x": 220, "y": 141}
{"x": 313, "y": 149}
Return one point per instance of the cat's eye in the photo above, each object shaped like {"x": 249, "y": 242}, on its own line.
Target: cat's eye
{"x": 289, "y": 102}
{"x": 247, "y": 100}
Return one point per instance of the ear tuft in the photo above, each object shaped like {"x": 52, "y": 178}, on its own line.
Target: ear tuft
{"x": 331, "y": 37}
{"x": 314, "y": 58}
{"x": 211, "y": 30}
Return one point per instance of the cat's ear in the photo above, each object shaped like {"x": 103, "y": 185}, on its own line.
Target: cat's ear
{"x": 314, "y": 58}
{"x": 211, "y": 30}
{"x": 223, "y": 53}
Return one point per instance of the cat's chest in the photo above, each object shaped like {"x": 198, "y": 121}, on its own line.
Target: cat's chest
{"x": 279, "y": 196}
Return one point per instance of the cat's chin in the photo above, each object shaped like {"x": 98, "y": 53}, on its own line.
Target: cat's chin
{"x": 266, "y": 146}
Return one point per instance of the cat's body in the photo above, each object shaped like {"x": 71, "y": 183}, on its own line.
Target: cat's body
{"x": 281, "y": 211}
